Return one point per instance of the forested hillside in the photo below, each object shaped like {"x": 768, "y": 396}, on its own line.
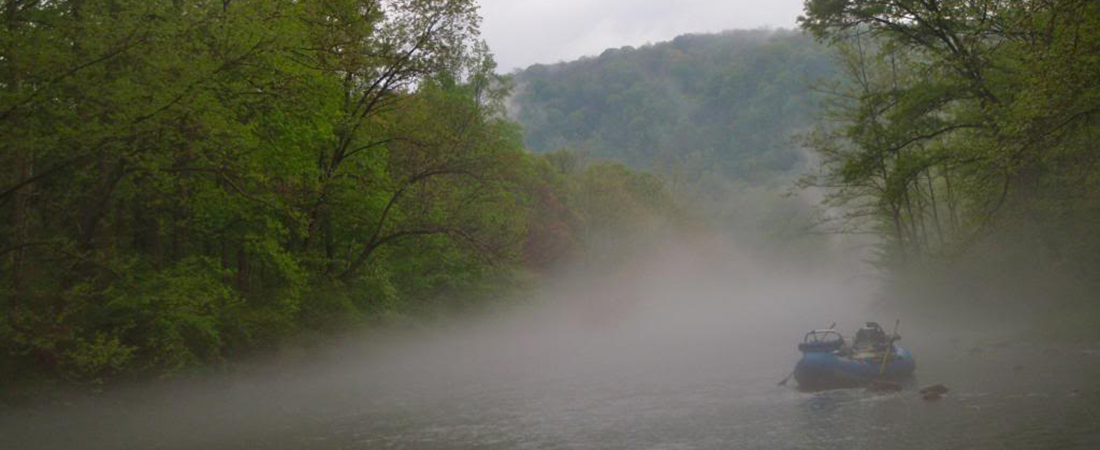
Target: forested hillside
{"x": 186, "y": 183}
{"x": 964, "y": 135}
{"x": 723, "y": 104}
{"x": 959, "y": 136}
{"x": 713, "y": 115}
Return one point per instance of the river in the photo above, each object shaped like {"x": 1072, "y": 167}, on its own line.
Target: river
{"x": 694, "y": 364}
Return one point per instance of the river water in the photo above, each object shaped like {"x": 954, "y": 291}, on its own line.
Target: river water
{"x": 693, "y": 364}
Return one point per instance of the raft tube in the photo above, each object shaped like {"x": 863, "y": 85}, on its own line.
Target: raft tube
{"x": 829, "y": 370}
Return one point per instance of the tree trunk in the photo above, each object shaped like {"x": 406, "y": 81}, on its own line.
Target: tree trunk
{"x": 899, "y": 234}
{"x": 935, "y": 206}
{"x": 951, "y": 207}
{"x": 243, "y": 275}
{"x": 20, "y": 219}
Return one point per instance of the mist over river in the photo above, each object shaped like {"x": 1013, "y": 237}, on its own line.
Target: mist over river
{"x": 682, "y": 351}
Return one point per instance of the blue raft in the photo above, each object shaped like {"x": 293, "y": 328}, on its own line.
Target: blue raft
{"x": 828, "y": 363}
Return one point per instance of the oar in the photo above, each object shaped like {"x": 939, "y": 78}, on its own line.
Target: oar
{"x": 889, "y": 349}
{"x": 785, "y": 380}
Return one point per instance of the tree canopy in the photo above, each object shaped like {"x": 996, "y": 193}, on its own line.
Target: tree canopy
{"x": 964, "y": 133}
{"x": 726, "y": 102}
{"x": 183, "y": 183}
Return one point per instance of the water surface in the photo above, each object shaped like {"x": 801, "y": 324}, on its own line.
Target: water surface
{"x": 687, "y": 361}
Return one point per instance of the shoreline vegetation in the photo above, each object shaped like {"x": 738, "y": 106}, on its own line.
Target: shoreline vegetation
{"x": 186, "y": 184}
{"x": 963, "y": 135}
{"x": 189, "y": 186}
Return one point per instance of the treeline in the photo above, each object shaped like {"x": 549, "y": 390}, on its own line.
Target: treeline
{"x": 965, "y": 135}
{"x": 714, "y": 115}
{"x": 721, "y": 105}
{"x": 185, "y": 183}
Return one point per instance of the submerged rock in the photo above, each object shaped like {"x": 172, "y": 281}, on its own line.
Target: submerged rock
{"x": 933, "y": 392}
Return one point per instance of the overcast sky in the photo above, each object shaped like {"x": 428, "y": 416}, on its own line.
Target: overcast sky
{"x": 525, "y": 32}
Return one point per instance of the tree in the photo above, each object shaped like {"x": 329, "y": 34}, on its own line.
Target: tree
{"x": 976, "y": 121}
{"x": 186, "y": 181}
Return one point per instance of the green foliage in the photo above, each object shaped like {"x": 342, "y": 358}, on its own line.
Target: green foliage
{"x": 185, "y": 183}
{"x": 174, "y": 317}
{"x": 965, "y": 137}
{"x": 99, "y": 358}
{"x": 730, "y": 100}
{"x": 593, "y": 212}
{"x": 712, "y": 115}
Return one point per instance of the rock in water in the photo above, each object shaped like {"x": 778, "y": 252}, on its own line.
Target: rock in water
{"x": 933, "y": 392}
{"x": 937, "y": 389}
{"x": 931, "y": 395}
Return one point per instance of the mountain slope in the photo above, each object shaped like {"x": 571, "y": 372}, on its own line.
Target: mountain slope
{"x": 725, "y": 103}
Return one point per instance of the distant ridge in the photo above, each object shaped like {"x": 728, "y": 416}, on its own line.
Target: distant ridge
{"x": 726, "y": 102}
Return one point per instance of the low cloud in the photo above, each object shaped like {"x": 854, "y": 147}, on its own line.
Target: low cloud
{"x": 525, "y": 32}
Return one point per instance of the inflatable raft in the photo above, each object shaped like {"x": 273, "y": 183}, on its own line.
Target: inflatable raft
{"x": 828, "y": 362}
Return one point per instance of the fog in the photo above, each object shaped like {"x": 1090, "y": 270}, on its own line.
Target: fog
{"x": 526, "y": 32}
{"x": 690, "y": 312}
{"x": 678, "y": 347}
{"x": 668, "y": 326}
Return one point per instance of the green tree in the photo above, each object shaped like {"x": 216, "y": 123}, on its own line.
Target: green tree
{"x": 966, "y": 125}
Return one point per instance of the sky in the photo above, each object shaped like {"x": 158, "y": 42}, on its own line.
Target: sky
{"x": 525, "y": 32}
